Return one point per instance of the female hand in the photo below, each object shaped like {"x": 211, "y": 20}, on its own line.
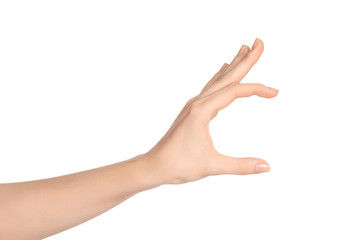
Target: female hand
{"x": 40, "y": 208}
{"x": 186, "y": 152}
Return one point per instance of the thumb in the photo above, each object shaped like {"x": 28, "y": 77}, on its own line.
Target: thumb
{"x": 241, "y": 166}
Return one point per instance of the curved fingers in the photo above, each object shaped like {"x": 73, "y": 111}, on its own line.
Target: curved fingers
{"x": 238, "y": 72}
{"x": 243, "y": 52}
{"x": 225, "y": 96}
{"x": 237, "y": 69}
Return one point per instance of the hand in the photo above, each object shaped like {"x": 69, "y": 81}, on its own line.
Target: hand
{"x": 186, "y": 152}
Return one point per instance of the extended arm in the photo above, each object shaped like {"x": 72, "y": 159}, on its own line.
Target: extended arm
{"x": 40, "y": 208}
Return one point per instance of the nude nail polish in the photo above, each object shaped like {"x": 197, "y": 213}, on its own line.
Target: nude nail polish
{"x": 241, "y": 49}
{"x": 255, "y": 44}
{"x": 262, "y": 167}
{"x": 274, "y": 89}
{"x": 223, "y": 67}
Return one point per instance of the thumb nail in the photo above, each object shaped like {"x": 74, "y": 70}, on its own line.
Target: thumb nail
{"x": 274, "y": 89}
{"x": 262, "y": 167}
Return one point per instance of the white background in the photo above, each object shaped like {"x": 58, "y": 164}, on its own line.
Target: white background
{"x": 89, "y": 83}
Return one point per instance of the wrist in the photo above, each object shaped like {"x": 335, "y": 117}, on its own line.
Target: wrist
{"x": 155, "y": 171}
{"x": 149, "y": 175}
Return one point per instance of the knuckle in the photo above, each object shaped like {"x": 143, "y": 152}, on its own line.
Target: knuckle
{"x": 195, "y": 106}
{"x": 190, "y": 101}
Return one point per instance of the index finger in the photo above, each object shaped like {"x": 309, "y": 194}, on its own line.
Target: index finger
{"x": 222, "y": 98}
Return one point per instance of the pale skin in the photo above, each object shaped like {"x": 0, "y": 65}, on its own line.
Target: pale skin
{"x": 41, "y": 208}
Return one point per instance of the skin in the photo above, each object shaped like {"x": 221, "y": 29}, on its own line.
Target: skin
{"x": 40, "y": 208}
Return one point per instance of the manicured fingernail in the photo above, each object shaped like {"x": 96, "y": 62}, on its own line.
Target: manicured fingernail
{"x": 255, "y": 44}
{"x": 223, "y": 66}
{"x": 274, "y": 89}
{"x": 241, "y": 49}
{"x": 262, "y": 167}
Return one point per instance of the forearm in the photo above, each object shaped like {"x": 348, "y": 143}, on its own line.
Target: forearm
{"x": 37, "y": 209}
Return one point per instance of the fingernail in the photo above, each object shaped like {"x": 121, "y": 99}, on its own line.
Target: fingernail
{"x": 262, "y": 167}
{"x": 241, "y": 49}
{"x": 274, "y": 89}
{"x": 223, "y": 66}
{"x": 255, "y": 44}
